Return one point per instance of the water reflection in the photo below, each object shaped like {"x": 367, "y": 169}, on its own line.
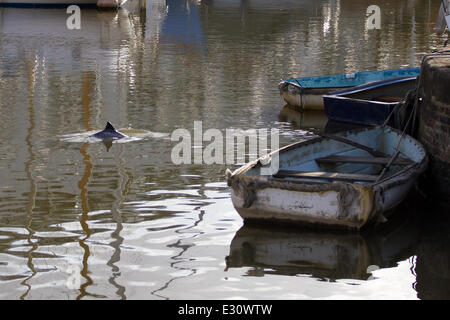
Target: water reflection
{"x": 328, "y": 255}
{"x": 82, "y": 185}
{"x": 119, "y": 194}
{"x": 181, "y": 272}
{"x": 304, "y": 119}
{"x": 32, "y": 193}
{"x": 433, "y": 255}
{"x": 135, "y": 224}
{"x": 312, "y": 120}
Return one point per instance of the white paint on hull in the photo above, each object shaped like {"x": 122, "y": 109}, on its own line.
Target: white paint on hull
{"x": 296, "y": 206}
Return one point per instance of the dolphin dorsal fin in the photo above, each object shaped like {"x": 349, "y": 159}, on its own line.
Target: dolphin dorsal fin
{"x": 109, "y": 127}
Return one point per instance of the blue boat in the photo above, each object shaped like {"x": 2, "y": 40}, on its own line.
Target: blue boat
{"x": 307, "y": 92}
{"x": 369, "y": 104}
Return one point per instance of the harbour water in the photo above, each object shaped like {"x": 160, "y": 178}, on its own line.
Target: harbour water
{"x": 80, "y": 220}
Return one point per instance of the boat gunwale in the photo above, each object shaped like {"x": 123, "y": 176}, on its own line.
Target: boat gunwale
{"x": 317, "y": 90}
{"x": 239, "y": 173}
{"x": 336, "y": 97}
{"x": 295, "y": 81}
{"x": 376, "y": 84}
{"x": 342, "y": 94}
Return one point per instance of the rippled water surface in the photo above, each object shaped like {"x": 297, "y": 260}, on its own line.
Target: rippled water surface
{"x": 81, "y": 220}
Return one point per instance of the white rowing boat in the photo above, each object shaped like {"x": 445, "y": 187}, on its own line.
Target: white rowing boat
{"x": 347, "y": 180}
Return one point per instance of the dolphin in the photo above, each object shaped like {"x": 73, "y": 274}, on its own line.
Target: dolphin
{"x": 109, "y": 133}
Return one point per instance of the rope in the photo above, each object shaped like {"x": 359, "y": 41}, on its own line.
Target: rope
{"x": 404, "y": 129}
{"x": 390, "y": 114}
{"x": 412, "y": 115}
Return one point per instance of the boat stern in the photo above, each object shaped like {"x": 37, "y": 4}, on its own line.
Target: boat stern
{"x": 334, "y": 204}
{"x": 290, "y": 93}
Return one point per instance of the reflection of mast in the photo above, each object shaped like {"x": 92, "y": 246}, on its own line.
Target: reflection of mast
{"x": 82, "y": 185}
{"x": 122, "y": 187}
{"x": 32, "y": 194}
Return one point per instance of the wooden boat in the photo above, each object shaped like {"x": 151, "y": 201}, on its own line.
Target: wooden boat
{"x": 368, "y": 104}
{"x": 338, "y": 180}
{"x": 307, "y": 92}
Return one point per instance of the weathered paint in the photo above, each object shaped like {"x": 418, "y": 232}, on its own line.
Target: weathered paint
{"x": 304, "y": 98}
{"x": 349, "y": 207}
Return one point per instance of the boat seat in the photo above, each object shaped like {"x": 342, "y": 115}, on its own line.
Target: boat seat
{"x": 325, "y": 175}
{"x": 368, "y": 160}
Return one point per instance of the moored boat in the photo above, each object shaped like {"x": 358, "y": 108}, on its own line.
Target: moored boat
{"x": 307, "y": 92}
{"x": 369, "y": 104}
{"x": 347, "y": 180}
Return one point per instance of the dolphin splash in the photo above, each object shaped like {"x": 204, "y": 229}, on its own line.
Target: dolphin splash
{"x": 111, "y": 135}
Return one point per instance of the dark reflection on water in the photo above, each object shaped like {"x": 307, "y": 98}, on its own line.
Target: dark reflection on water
{"x": 418, "y": 233}
{"x": 326, "y": 254}
{"x": 79, "y": 221}
{"x": 313, "y": 120}
{"x": 433, "y": 255}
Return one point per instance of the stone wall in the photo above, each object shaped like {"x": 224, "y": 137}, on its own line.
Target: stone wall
{"x": 434, "y": 124}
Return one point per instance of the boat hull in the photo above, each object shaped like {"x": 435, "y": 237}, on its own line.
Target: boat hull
{"x": 304, "y": 98}
{"x": 359, "y": 105}
{"x": 324, "y": 207}
{"x": 333, "y": 204}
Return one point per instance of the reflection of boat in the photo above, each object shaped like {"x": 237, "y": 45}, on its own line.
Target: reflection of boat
{"x": 337, "y": 126}
{"x": 96, "y": 25}
{"x": 182, "y": 23}
{"x": 345, "y": 180}
{"x": 307, "y": 92}
{"x": 368, "y": 104}
{"x": 331, "y": 255}
{"x": 303, "y": 119}
{"x": 313, "y": 119}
